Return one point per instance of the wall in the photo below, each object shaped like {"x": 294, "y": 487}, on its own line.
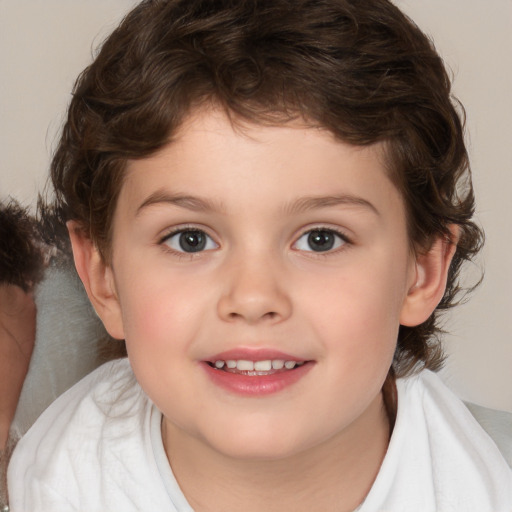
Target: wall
{"x": 45, "y": 43}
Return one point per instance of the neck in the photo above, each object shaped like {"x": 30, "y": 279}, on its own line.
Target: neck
{"x": 335, "y": 475}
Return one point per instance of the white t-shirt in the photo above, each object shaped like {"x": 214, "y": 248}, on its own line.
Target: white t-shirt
{"x": 98, "y": 448}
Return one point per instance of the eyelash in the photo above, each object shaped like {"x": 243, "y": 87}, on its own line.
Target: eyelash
{"x": 345, "y": 241}
{"x": 163, "y": 241}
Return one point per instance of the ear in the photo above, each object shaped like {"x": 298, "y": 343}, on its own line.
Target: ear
{"x": 429, "y": 278}
{"x": 98, "y": 280}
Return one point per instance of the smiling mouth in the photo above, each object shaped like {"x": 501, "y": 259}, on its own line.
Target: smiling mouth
{"x": 255, "y": 368}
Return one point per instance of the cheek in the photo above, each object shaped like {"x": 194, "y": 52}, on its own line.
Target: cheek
{"x": 160, "y": 308}
{"x": 357, "y": 311}
{"x": 161, "y": 318}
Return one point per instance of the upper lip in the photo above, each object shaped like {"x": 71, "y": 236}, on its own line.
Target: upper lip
{"x": 253, "y": 354}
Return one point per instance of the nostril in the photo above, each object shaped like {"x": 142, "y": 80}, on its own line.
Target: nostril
{"x": 247, "y": 305}
{"x": 270, "y": 315}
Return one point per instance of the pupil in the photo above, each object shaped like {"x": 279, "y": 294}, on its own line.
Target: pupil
{"x": 321, "y": 240}
{"x": 192, "y": 241}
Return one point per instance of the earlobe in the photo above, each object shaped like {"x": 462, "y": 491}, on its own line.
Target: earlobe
{"x": 98, "y": 280}
{"x": 429, "y": 283}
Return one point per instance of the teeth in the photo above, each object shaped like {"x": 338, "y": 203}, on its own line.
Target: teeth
{"x": 263, "y": 366}
{"x": 244, "y": 365}
{"x": 259, "y": 366}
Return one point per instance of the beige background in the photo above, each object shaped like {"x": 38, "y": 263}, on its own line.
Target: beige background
{"x": 45, "y": 43}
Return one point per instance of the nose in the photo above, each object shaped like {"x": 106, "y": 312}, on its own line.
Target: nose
{"x": 254, "y": 292}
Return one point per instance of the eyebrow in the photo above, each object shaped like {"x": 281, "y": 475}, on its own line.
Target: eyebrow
{"x": 301, "y": 205}
{"x": 192, "y": 203}
{"x": 305, "y": 204}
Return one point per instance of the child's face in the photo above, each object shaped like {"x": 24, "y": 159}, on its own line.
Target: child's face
{"x": 266, "y": 244}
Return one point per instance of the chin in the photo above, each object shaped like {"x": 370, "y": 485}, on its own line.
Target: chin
{"x": 260, "y": 444}
{"x": 260, "y": 453}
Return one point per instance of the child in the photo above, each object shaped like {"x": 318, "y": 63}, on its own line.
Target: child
{"x": 269, "y": 201}
{"x": 21, "y": 268}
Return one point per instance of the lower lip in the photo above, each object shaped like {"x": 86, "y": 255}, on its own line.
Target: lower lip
{"x": 256, "y": 385}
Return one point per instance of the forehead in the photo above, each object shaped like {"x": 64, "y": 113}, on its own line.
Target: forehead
{"x": 227, "y": 159}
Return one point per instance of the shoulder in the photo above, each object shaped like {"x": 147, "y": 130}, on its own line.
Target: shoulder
{"x": 90, "y": 400}
{"x": 80, "y": 410}
{"x": 441, "y": 453}
{"x": 90, "y": 430}
{"x": 479, "y": 430}
{"x": 498, "y": 425}
{"x": 445, "y": 406}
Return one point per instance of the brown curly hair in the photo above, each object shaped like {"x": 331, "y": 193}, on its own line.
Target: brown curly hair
{"x": 21, "y": 253}
{"x": 359, "y": 68}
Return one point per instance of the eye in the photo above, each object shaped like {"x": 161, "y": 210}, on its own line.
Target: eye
{"x": 189, "y": 240}
{"x": 320, "y": 240}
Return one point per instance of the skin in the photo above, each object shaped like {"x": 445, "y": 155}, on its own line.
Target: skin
{"x": 317, "y": 444}
{"x": 17, "y": 336}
